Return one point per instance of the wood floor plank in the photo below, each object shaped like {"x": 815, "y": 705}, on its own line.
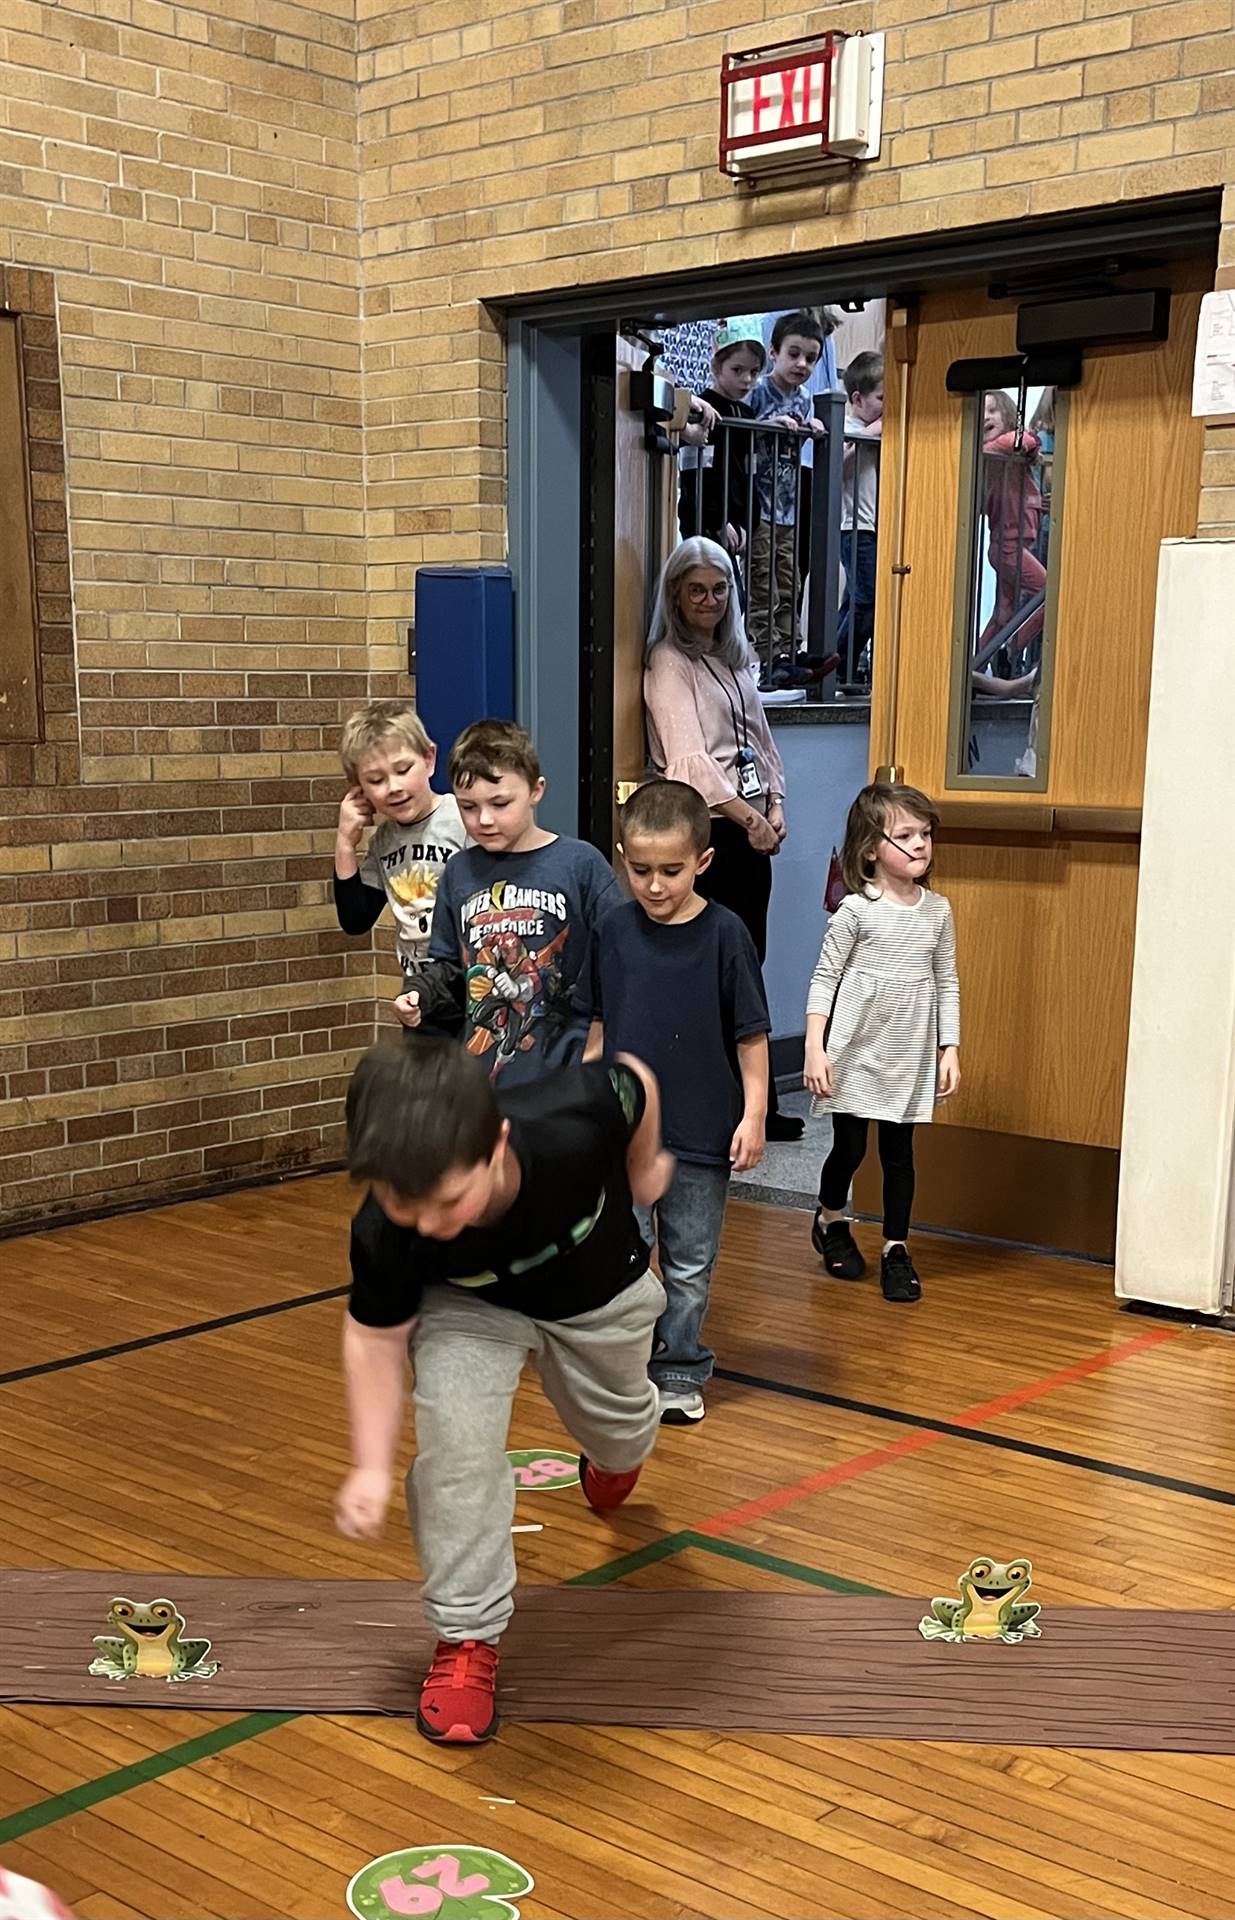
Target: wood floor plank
{"x": 219, "y": 1453}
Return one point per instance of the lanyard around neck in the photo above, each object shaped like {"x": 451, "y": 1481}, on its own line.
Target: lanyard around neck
{"x": 742, "y": 740}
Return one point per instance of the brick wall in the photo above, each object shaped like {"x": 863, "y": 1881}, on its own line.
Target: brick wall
{"x": 240, "y": 221}
{"x": 176, "y": 1004}
{"x": 511, "y": 148}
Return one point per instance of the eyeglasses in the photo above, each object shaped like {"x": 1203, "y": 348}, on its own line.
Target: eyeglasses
{"x": 699, "y": 596}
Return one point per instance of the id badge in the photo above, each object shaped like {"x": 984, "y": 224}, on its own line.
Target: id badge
{"x": 748, "y": 777}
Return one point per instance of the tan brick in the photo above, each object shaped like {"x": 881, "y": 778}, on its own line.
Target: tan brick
{"x": 1031, "y": 16}
{"x": 1040, "y": 123}
{"x": 953, "y": 176}
{"x": 1031, "y": 163}
{"x": 1123, "y": 149}
{"x": 1127, "y": 70}
{"x": 1186, "y": 20}
{"x": 1036, "y": 89}
{"x": 1086, "y": 42}
{"x": 1210, "y": 132}
{"x": 988, "y": 61}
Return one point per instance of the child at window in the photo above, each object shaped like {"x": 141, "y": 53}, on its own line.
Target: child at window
{"x": 716, "y": 497}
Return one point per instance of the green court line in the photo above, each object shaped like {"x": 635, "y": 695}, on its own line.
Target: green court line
{"x": 631, "y": 1562}
{"x": 15, "y": 1826}
{"x": 772, "y": 1563}
{"x": 44, "y": 1813}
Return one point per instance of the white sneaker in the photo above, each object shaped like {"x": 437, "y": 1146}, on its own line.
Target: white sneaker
{"x": 681, "y": 1406}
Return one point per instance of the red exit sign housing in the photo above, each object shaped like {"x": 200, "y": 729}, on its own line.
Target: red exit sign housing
{"x": 804, "y": 103}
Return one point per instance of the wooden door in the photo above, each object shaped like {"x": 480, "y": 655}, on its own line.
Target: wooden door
{"x": 1045, "y": 921}
{"x": 644, "y": 492}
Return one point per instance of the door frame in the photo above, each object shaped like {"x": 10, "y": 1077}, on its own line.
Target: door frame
{"x": 550, "y": 488}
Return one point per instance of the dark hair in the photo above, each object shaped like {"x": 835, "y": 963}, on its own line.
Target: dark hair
{"x": 868, "y": 822}
{"x": 417, "y": 1108}
{"x": 802, "y": 323}
{"x": 668, "y": 806}
{"x": 488, "y": 749}
{"x": 864, "y": 373}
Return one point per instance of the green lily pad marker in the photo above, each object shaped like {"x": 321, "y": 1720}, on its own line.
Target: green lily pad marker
{"x": 447, "y": 1881}
{"x": 543, "y": 1469}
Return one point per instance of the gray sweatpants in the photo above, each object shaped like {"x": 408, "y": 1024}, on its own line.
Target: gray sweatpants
{"x": 468, "y": 1357}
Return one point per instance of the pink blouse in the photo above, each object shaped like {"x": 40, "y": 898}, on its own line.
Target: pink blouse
{"x": 700, "y": 714}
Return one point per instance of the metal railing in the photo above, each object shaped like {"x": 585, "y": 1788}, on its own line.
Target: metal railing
{"x": 782, "y": 522}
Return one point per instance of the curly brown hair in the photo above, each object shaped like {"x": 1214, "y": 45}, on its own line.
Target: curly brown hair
{"x": 869, "y": 817}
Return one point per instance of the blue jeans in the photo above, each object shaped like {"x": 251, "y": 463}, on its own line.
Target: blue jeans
{"x": 857, "y": 552}
{"x": 687, "y": 1226}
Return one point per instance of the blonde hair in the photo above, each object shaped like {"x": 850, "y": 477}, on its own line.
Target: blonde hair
{"x": 869, "y": 817}
{"x": 371, "y": 726}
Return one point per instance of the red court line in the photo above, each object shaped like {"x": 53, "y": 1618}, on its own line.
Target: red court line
{"x": 836, "y": 1476}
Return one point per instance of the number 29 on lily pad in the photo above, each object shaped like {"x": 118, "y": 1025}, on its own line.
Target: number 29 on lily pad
{"x": 447, "y": 1882}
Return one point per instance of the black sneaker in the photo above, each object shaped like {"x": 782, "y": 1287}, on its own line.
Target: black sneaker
{"x": 784, "y": 1126}
{"x": 838, "y": 1249}
{"x": 897, "y": 1276}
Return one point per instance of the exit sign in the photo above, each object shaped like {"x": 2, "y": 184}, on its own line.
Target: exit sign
{"x": 804, "y": 103}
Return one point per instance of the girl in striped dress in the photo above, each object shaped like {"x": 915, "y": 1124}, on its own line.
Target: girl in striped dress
{"x": 882, "y": 1023}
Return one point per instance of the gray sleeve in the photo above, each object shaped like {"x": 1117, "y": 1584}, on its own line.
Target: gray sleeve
{"x": 370, "y": 869}
{"x": 838, "y": 944}
{"x": 947, "y": 986}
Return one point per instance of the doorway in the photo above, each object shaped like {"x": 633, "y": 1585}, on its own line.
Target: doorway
{"x": 1006, "y": 875}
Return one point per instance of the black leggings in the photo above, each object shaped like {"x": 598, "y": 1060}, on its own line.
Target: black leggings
{"x": 895, "y": 1157}
{"x": 741, "y": 879}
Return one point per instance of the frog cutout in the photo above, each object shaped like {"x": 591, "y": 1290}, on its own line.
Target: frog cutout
{"x": 148, "y": 1642}
{"x": 990, "y": 1606}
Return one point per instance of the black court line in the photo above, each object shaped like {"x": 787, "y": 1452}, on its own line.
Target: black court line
{"x": 173, "y": 1333}
{"x": 981, "y": 1437}
{"x": 1193, "y": 1489}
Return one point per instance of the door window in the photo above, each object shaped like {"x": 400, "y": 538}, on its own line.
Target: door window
{"x": 1006, "y": 587}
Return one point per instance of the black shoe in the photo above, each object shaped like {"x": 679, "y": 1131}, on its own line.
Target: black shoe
{"x": 897, "y": 1276}
{"x": 838, "y": 1249}
{"x": 784, "y": 1126}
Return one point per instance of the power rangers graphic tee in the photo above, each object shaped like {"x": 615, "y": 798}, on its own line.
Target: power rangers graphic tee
{"x": 519, "y": 923}
{"x": 407, "y": 863}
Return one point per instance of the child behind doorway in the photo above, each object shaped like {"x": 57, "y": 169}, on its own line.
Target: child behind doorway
{"x": 860, "y": 507}
{"x": 680, "y": 973}
{"x": 780, "y": 399}
{"x": 717, "y": 498}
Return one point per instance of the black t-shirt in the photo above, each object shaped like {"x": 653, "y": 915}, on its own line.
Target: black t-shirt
{"x": 706, "y": 508}
{"x": 680, "y": 998}
{"x": 569, "y": 1243}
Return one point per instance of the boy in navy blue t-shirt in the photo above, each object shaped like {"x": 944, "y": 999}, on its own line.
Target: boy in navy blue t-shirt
{"x": 677, "y": 976}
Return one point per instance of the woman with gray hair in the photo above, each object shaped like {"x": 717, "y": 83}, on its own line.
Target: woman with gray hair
{"x": 707, "y": 727}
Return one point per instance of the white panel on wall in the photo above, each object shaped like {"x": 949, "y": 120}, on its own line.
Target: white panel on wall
{"x": 1174, "y": 1242}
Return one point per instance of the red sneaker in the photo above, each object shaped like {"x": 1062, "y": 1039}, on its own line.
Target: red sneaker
{"x": 457, "y": 1704}
{"x": 603, "y": 1491}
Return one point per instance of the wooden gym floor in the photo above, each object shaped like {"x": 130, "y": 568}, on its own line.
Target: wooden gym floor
{"x": 170, "y": 1399}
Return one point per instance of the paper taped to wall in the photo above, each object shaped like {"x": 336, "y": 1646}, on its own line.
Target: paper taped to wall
{"x": 1213, "y": 380}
